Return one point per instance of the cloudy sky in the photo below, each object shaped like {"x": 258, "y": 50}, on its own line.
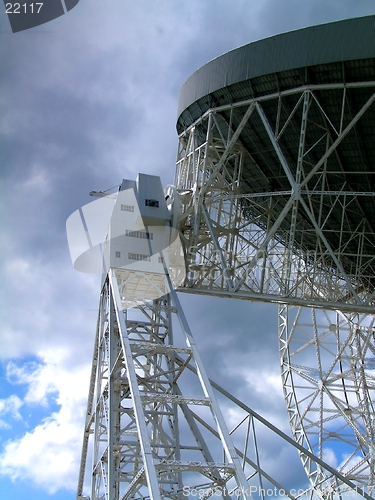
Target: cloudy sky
{"x": 85, "y": 101}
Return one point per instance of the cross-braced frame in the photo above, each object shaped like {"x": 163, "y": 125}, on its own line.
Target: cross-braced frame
{"x": 148, "y": 439}
{"x": 328, "y": 361}
{"x": 303, "y": 232}
{"x": 274, "y": 202}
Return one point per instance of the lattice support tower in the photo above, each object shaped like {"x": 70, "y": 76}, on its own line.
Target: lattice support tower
{"x": 146, "y": 436}
{"x": 137, "y": 406}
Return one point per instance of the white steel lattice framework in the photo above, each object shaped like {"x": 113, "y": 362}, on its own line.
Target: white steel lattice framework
{"x": 308, "y": 248}
{"x": 258, "y": 245}
{"x": 147, "y": 434}
{"x": 328, "y": 376}
{"x": 149, "y": 440}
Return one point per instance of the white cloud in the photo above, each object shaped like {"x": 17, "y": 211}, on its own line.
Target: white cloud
{"x": 44, "y": 308}
{"x": 39, "y": 378}
{"x": 265, "y": 382}
{"x": 10, "y": 406}
{"x": 329, "y": 457}
{"x": 48, "y": 455}
{"x": 38, "y": 180}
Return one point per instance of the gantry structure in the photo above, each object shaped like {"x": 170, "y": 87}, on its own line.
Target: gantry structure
{"x": 273, "y": 201}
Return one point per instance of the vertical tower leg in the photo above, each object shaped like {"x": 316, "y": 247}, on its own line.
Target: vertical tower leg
{"x": 327, "y": 360}
{"x": 147, "y": 437}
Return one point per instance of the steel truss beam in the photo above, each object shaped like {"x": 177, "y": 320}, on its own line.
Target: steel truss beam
{"x": 258, "y": 245}
{"x": 152, "y": 440}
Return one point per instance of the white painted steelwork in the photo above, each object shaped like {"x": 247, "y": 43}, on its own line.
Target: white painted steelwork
{"x": 277, "y": 246}
{"x": 328, "y": 373}
{"x": 146, "y": 439}
{"x": 250, "y": 245}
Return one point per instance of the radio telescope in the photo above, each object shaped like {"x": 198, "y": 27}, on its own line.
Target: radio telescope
{"x": 273, "y": 200}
